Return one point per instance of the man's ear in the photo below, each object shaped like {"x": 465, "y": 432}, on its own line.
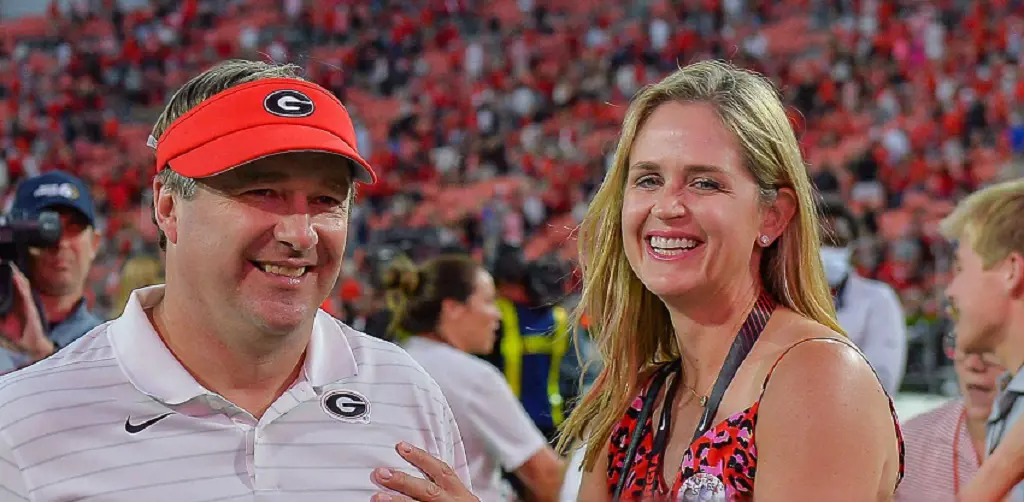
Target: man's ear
{"x": 165, "y": 210}
{"x": 1014, "y": 268}
{"x": 779, "y": 213}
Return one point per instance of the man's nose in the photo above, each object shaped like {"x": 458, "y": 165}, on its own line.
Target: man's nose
{"x": 975, "y": 362}
{"x": 295, "y": 227}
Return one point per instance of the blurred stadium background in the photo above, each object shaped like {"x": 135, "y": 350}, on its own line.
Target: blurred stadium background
{"x": 491, "y": 121}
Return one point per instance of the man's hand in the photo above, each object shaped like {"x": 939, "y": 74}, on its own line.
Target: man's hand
{"x": 441, "y": 485}
{"x": 21, "y": 330}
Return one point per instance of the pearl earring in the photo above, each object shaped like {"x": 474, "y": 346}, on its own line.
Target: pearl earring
{"x": 764, "y": 240}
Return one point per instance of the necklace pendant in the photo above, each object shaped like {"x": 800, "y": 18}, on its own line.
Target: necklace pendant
{"x": 703, "y": 401}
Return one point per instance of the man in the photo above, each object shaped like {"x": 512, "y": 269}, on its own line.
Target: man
{"x": 987, "y": 298}
{"x": 945, "y": 446}
{"x": 533, "y": 344}
{"x": 868, "y": 310}
{"x": 51, "y": 294}
{"x": 227, "y": 382}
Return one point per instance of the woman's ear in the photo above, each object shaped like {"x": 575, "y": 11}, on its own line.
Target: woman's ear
{"x": 778, "y": 214}
{"x": 450, "y": 310}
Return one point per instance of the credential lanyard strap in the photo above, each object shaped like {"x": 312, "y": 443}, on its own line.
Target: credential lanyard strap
{"x": 741, "y": 345}
{"x": 645, "y": 411}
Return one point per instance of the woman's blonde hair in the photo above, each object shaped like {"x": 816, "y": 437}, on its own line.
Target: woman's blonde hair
{"x": 629, "y": 324}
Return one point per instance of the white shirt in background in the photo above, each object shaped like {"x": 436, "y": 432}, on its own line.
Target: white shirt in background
{"x": 496, "y": 430}
{"x": 872, "y": 316}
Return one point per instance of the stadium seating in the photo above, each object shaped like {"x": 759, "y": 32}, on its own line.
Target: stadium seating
{"x": 474, "y": 111}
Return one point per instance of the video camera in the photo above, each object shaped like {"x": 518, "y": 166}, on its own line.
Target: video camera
{"x": 543, "y": 279}
{"x": 18, "y": 232}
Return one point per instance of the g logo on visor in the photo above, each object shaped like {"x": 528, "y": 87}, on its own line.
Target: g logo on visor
{"x": 288, "y": 103}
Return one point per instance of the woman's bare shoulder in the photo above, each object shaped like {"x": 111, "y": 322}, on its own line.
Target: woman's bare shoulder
{"x": 802, "y": 347}
{"x": 788, "y": 331}
{"x": 822, "y": 384}
{"x": 793, "y": 328}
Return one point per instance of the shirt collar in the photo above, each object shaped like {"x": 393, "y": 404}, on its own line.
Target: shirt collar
{"x": 1013, "y": 383}
{"x": 329, "y": 357}
{"x": 155, "y": 371}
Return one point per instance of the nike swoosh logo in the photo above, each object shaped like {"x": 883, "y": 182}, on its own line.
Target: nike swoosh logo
{"x": 136, "y": 428}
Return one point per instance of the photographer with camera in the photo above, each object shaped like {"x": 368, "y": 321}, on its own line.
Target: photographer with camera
{"x": 49, "y": 233}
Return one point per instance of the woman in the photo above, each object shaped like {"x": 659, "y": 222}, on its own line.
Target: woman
{"x": 726, "y": 376}
{"x": 448, "y": 307}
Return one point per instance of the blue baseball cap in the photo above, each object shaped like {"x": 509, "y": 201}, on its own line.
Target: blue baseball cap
{"x": 52, "y": 190}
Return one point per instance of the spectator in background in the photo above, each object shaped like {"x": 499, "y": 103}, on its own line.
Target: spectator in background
{"x": 447, "y": 308}
{"x": 868, "y": 310}
{"x": 57, "y": 275}
{"x": 533, "y": 339}
{"x": 138, "y": 272}
{"x": 946, "y": 445}
{"x": 986, "y": 296}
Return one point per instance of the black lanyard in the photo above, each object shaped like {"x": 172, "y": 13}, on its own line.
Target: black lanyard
{"x": 741, "y": 345}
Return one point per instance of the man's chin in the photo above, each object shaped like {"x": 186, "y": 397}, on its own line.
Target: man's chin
{"x": 977, "y": 412}
{"x": 59, "y": 288}
{"x": 284, "y": 319}
{"x": 279, "y": 327}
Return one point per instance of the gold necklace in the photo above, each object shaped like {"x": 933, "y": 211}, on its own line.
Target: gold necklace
{"x": 702, "y": 399}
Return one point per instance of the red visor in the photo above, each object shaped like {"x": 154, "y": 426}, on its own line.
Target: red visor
{"x": 256, "y": 120}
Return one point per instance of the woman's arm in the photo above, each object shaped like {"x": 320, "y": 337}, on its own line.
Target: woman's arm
{"x": 543, "y": 474}
{"x": 824, "y": 430}
{"x": 594, "y": 486}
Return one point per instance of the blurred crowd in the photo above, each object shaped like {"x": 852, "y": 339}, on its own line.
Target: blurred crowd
{"x": 490, "y": 123}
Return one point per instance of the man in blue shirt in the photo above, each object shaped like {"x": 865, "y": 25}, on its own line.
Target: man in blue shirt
{"x": 55, "y": 278}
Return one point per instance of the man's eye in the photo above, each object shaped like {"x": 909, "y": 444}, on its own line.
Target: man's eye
{"x": 328, "y": 201}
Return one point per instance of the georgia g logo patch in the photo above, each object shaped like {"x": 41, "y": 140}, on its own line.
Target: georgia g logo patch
{"x": 288, "y": 103}
{"x": 347, "y": 406}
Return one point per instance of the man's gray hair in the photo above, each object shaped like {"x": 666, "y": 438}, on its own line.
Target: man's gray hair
{"x": 215, "y": 80}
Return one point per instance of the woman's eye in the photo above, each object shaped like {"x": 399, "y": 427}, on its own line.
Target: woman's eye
{"x": 647, "y": 181}
{"x": 706, "y": 184}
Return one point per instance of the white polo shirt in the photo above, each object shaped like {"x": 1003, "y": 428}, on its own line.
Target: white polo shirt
{"x": 496, "y": 429}
{"x": 115, "y": 417}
